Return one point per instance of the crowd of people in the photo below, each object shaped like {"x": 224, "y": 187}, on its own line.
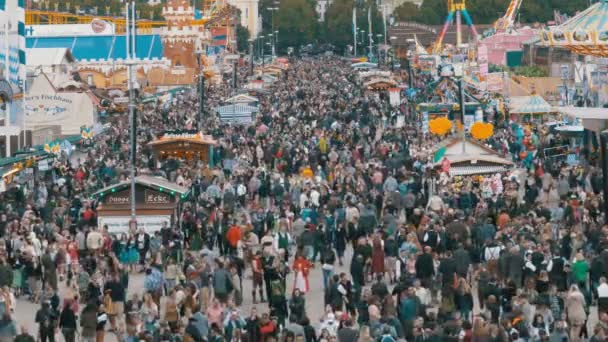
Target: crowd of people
{"x": 320, "y": 222}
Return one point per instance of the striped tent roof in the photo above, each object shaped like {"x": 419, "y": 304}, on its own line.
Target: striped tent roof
{"x": 235, "y": 109}
{"x": 533, "y": 104}
{"x": 594, "y": 18}
{"x": 586, "y": 33}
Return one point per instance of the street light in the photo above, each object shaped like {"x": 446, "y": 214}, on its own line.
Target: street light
{"x": 250, "y": 56}
{"x": 379, "y": 36}
{"x": 272, "y": 9}
{"x": 260, "y": 44}
{"x": 276, "y": 37}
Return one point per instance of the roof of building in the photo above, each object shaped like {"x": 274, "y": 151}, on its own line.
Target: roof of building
{"x": 47, "y": 56}
{"x": 100, "y": 47}
{"x": 156, "y": 183}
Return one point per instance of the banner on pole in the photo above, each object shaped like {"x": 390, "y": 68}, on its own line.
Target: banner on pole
{"x": 394, "y": 96}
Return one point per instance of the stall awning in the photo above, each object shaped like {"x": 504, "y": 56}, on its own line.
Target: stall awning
{"x": 242, "y": 99}
{"x": 156, "y": 183}
{"x": 476, "y": 170}
{"x": 236, "y": 113}
{"x": 533, "y": 104}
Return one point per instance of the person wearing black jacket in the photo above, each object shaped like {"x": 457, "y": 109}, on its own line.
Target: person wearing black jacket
{"x": 252, "y": 326}
{"x": 328, "y": 260}
{"x": 143, "y": 245}
{"x": 67, "y": 322}
{"x": 425, "y": 270}
{"x": 45, "y": 317}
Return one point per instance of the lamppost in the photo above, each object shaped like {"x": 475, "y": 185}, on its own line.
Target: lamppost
{"x": 250, "y": 57}
{"x": 565, "y": 75}
{"x": 276, "y": 38}
{"x": 272, "y": 9}
{"x": 201, "y": 90}
{"x": 260, "y": 44}
{"x": 604, "y": 152}
{"x": 379, "y": 36}
{"x": 360, "y": 42}
{"x": 392, "y": 40}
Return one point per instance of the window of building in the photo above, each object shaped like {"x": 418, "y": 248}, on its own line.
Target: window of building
{"x": 90, "y": 79}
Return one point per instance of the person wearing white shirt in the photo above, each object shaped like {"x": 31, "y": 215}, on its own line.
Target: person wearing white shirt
{"x": 314, "y": 198}
{"x": 602, "y": 295}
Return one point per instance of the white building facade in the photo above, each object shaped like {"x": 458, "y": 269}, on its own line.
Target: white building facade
{"x": 250, "y": 17}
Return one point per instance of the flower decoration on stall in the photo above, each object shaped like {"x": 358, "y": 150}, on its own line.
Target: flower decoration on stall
{"x": 440, "y": 126}
{"x": 482, "y": 130}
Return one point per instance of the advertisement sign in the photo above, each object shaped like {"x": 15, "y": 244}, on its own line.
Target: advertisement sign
{"x": 120, "y": 224}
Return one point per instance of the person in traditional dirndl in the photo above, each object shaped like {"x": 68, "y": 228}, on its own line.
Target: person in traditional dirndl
{"x": 301, "y": 267}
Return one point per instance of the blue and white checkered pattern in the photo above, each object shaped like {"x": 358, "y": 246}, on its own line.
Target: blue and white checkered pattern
{"x": 13, "y": 11}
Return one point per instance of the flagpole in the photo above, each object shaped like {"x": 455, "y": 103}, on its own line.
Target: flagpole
{"x": 355, "y": 28}
{"x": 370, "y": 34}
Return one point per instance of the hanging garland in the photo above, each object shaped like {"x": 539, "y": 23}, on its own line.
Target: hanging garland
{"x": 481, "y": 130}
{"x": 440, "y": 126}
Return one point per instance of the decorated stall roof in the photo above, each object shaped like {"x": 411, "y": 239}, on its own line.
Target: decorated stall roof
{"x": 379, "y": 83}
{"x": 242, "y": 99}
{"x": 586, "y": 33}
{"x": 533, "y": 104}
{"x": 469, "y": 158}
{"x": 364, "y": 65}
{"x": 156, "y": 183}
{"x": 237, "y": 113}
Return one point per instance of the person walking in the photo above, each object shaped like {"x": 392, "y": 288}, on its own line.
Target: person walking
{"x": 67, "y": 322}
{"x": 576, "y": 312}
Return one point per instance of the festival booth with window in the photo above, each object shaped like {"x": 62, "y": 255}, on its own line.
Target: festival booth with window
{"x": 188, "y": 145}
{"x": 531, "y": 108}
{"x": 241, "y": 114}
{"x": 459, "y": 161}
{"x": 157, "y": 203}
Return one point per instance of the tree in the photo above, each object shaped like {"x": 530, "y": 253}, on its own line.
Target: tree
{"x": 265, "y": 13}
{"x": 242, "y": 38}
{"x": 296, "y": 21}
{"x": 407, "y": 11}
{"x": 433, "y": 12}
{"x": 338, "y": 24}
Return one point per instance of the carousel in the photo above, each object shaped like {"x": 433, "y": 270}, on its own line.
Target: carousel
{"x": 585, "y": 34}
{"x": 187, "y": 145}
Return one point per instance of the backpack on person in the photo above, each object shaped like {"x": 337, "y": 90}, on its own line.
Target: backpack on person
{"x": 387, "y": 338}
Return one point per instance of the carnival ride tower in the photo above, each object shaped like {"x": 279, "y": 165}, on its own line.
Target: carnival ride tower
{"x": 508, "y": 20}
{"x": 456, "y": 10}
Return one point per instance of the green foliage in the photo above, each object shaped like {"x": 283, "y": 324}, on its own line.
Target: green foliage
{"x": 433, "y": 12}
{"x": 531, "y": 71}
{"x": 407, "y": 11}
{"x": 527, "y": 71}
{"x": 337, "y": 28}
{"x": 296, "y": 22}
{"x": 242, "y": 39}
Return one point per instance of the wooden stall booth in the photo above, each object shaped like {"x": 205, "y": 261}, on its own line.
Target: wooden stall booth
{"x": 157, "y": 202}
{"x": 188, "y": 145}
